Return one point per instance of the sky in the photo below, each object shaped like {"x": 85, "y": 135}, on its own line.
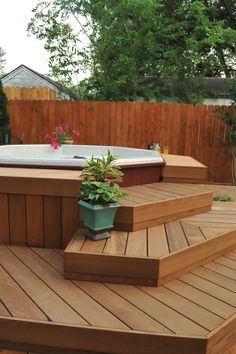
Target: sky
{"x": 20, "y": 48}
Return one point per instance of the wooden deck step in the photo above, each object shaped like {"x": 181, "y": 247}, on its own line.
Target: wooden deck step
{"x": 148, "y": 257}
{"x": 184, "y": 169}
{"x": 154, "y": 204}
{"x": 156, "y": 254}
{"x": 194, "y": 313}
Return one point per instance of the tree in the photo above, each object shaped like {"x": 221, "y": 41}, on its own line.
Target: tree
{"x": 2, "y": 61}
{"x": 229, "y": 117}
{"x": 5, "y": 130}
{"x": 131, "y": 41}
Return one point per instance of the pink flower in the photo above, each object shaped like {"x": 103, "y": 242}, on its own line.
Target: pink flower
{"x": 59, "y": 129}
{"x": 54, "y": 145}
{"x": 59, "y": 135}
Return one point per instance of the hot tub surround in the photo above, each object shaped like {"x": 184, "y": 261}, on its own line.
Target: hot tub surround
{"x": 138, "y": 165}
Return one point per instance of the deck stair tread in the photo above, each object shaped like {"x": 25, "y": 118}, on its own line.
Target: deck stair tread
{"x": 143, "y": 257}
{"x": 183, "y": 169}
{"x": 195, "y": 308}
{"x": 152, "y": 204}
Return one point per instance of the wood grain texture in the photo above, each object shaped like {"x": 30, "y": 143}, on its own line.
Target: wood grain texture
{"x": 43, "y": 336}
{"x": 181, "y": 261}
{"x": 52, "y": 222}
{"x": 223, "y": 338}
{"x": 70, "y": 219}
{"x": 190, "y": 314}
{"x": 39, "y": 182}
{"x": 17, "y": 219}
{"x": 4, "y": 220}
{"x": 30, "y": 93}
{"x": 34, "y": 220}
{"x": 104, "y": 267}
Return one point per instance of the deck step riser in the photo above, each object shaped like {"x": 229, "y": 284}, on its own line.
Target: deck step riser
{"x": 79, "y": 265}
{"x": 155, "y": 213}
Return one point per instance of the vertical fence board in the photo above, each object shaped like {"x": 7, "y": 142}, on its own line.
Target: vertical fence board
{"x": 113, "y": 125}
{"x": 106, "y": 124}
{"x": 176, "y": 130}
{"x": 156, "y": 119}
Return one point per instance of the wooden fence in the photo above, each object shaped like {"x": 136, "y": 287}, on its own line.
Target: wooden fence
{"x": 29, "y": 93}
{"x": 187, "y": 129}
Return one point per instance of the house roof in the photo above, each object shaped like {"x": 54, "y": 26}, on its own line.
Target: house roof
{"x": 212, "y": 86}
{"x": 8, "y": 79}
{"x": 219, "y": 86}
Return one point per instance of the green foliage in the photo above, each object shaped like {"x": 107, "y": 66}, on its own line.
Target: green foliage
{"x": 99, "y": 178}
{"x": 130, "y": 41}
{"x": 229, "y": 118}
{"x": 223, "y": 198}
{"x": 102, "y": 169}
{"x": 5, "y": 131}
{"x": 100, "y": 192}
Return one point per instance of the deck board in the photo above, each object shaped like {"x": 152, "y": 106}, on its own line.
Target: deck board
{"x": 201, "y": 316}
{"x": 87, "y": 310}
{"x": 193, "y": 305}
{"x": 116, "y": 244}
{"x": 42, "y": 295}
{"x": 171, "y": 319}
{"x": 157, "y": 242}
{"x": 201, "y": 298}
{"x": 137, "y": 244}
{"x": 210, "y": 288}
{"x": 176, "y": 236}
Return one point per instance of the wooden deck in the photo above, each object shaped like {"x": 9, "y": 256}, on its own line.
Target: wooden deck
{"x": 188, "y": 314}
{"x": 41, "y": 312}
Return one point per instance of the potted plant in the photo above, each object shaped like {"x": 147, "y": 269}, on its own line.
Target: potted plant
{"x": 99, "y": 195}
{"x": 62, "y": 135}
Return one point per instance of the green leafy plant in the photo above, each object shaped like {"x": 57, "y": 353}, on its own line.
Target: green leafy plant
{"x": 100, "y": 192}
{"x": 223, "y": 198}
{"x": 102, "y": 169}
{"x": 99, "y": 181}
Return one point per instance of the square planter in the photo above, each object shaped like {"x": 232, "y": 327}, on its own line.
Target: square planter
{"x": 98, "y": 219}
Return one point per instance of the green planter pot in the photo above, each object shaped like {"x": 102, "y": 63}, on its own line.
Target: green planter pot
{"x": 98, "y": 219}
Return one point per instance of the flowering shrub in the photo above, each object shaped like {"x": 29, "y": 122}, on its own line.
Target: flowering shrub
{"x": 60, "y": 134}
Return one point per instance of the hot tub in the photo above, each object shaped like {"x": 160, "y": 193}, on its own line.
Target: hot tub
{"x": 139, "y": 166}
